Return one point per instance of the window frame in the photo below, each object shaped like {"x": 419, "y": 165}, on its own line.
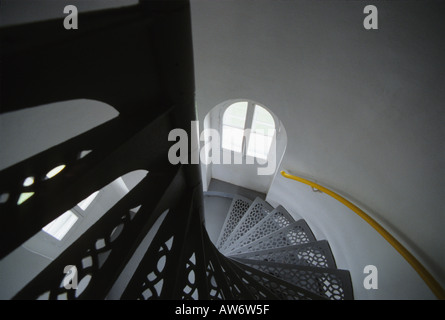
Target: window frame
{"x": 247, "y": 131}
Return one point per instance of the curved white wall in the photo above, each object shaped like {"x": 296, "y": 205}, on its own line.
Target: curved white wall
{"x": 363, "y": 110}
{"x": 353, "y": 243}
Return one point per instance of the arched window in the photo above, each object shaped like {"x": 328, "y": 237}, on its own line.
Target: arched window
{"x": 234, "y": 123}
{"x": 248, "y": 128}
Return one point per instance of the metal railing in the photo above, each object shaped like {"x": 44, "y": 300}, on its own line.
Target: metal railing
{"x": 418, "y": 267}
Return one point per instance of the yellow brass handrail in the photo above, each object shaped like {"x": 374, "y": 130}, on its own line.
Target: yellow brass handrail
{"x": 420, "y": 269}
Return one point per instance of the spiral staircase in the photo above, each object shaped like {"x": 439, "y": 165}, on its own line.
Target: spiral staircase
{"x": 276, "y": 257}
{"x": 262, "y": 252}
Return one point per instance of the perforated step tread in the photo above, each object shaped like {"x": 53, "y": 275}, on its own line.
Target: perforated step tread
{"x": 314, "y": 254}
{"x": 259, "y": 291}
{"x": 277, "y": 219}
{"x": 258, "y": 210}
{"x": 282, "y": 289}
{"x": 296, "y": 233}
{"x": 237, "y": 210}
{"x": 334, "y": 284}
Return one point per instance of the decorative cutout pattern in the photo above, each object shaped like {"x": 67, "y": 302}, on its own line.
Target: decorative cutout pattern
{"x": 190, "y": 291}
{"x": 88, "y": 265}
{"x": 314, "y": 254}
{"x": 236, "y": 212}
{"x": 296, "y": 233}
{"x": 258, "y": 210}
{"x": 151, "y": 287}
{"x": 258, "y": 291}
{"x": 329, "y": 283}
{"x": 282, "y": 289}
{"x": 277, "y": 219}
{"x": 284, "y": 261}
{"x": 215, "y": 291}
{"x": 4, "y": 197}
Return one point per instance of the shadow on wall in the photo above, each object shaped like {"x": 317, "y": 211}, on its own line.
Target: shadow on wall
{"x": 27, "y": 132}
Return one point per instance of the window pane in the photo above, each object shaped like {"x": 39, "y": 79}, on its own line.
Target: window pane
{"x": 263, "y": 129}
{"x": 233, "y": 126}
{"x": 235, "y": 115}
{"x": 232, "y": 138}
{"x": 263, "y": 122}
{"x": 259, "y": 145}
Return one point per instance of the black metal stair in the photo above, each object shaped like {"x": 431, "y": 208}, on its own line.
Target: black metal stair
{"x": 139, "y": 60}
{"x": 269, "y": 241}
